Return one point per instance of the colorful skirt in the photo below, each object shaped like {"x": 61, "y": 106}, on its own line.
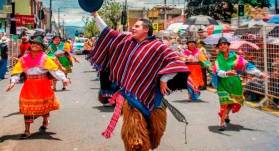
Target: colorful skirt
{"x": 230, "y": 94}
{"x": 37, "y": 97}
{"x": 66, "y": 63}
{"x": 196, "y": 74}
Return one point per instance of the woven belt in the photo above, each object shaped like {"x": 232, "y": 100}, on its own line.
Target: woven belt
{"x": 40, "y": 76}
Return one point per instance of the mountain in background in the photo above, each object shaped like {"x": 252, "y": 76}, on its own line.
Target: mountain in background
{"x": 71, "y": 30}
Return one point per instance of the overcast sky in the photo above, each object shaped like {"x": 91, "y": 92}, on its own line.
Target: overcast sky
{"x": 72, "y": 14}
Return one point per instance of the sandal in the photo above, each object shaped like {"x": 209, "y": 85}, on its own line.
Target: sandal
{"x": 25, "y": 135}
{"x": 227, "y": 120}
{"x": 42, "y": 129}
{"x": 222, "y": 128}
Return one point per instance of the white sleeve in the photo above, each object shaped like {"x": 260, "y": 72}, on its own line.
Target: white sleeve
{"x": 15, "y": 78}
{"x": 221, "y": 73}
{"x": 167, "y": 77}
{"x": 255, "y": 72}
{"x": 100, "y": 23}
{"x": 59, "y": 75}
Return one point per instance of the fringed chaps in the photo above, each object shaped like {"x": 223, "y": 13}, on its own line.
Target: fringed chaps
{"x": 157, "y": 124}
{"x": 137, "y": 134}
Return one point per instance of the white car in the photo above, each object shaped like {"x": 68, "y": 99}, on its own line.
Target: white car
{"x": 78, "y": 45}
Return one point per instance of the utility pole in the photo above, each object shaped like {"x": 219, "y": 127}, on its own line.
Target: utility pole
{"x": 58, "y": 18}
{"x": 276, "y": 9}
{"x": 13, "y": 20}
{"x": 184, "y": 10}
{"x": 63, "y": 31}
{"x": 50, "y": 15}
{"x": 165, "y": 13}
{"x": 124, "y": 16}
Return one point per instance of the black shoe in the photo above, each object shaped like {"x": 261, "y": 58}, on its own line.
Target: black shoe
{"x": 63, "y": 89}
{"x": 42, "y": 129}
{"x": 25, "y": 135}
{"x": 227, "y": 120}
{"x": 222, "y": 128}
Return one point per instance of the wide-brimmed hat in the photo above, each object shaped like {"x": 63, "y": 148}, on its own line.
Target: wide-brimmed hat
{"x": 191, "y": 40}
{"x": 223, "y": 40}
{"x": 90, "y": 5}
{"x": 38, "y": 40}
{"x": 56, "y": 36}
{"x": 200, "y": 30}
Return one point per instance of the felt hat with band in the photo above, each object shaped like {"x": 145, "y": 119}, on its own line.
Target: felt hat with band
{"x": 90, "y": 5}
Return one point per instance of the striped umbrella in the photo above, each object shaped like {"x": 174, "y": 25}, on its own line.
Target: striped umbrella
{"x": 215, "y": 29}
{"x": 213, "y": 39}
{"x": 243, "y": 44}
{"x": 175, "y": 27}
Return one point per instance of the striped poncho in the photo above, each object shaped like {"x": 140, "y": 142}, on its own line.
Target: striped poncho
{"x": 135, "y": 66}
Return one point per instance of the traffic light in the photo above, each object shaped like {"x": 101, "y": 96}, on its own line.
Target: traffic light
{"x": 240, "y": 10}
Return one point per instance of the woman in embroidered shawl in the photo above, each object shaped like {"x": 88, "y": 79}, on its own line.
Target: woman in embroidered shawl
{"x": 195, "y": 60}
{"x": 36, "y": 97}
{"x": 227, "y": 68}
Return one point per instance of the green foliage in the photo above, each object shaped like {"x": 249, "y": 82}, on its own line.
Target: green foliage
{"x": 221, "y": 9}
{"x": 110, "y": 13}
{"x": 257, "y": 3}
{"x": 91, "y": 29}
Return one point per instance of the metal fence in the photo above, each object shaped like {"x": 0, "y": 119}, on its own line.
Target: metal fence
{"x": 13, "y": 45}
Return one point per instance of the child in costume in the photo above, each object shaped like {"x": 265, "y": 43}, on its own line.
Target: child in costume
{"x": 61, "y": 56}
{"x": 36, "y": 97}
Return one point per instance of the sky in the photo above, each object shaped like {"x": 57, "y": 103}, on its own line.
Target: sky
{"x": 73, "y": 14}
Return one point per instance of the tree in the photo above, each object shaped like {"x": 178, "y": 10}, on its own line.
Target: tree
{"x": 91, "y": 29}
{"x": 110, "y": 13}
{"x": 220, "y": 9}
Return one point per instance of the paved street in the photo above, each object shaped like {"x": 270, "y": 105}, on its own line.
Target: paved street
{"x": 77, "y": 126}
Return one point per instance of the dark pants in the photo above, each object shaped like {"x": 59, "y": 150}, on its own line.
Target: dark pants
{"x": 204, "y": 78}
{"x": 3, "y": 68}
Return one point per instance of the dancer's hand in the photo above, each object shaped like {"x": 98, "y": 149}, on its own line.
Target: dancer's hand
{"x": 263, "y": 75}
{"x": 94, "y": 14}
{"x": 10, "y": 86}
{"x": 231, "y": 73}
{"x": 66, "y": 82}
{"x": 76, "y": 60}
{"x": 164, "y": 88}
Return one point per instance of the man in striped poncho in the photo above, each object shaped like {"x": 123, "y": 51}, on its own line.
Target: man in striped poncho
{"x": 144, "y": 69}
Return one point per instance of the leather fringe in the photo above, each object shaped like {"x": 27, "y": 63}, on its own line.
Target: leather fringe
{"x": 135, "y": 134}
{"x": 158, "y": 122}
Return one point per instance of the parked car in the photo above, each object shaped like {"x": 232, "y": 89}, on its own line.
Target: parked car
{"x": 78, "y": 45}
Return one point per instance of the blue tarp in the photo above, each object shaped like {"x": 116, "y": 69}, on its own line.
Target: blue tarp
{"x": 274, "y": 19}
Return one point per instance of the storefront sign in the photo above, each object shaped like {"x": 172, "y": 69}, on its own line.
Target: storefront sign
{"x": 23, "y": 20}
{"x": 7, "y": 9}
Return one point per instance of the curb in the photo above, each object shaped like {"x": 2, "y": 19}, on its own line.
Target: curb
{"x": 264, "y": 108}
